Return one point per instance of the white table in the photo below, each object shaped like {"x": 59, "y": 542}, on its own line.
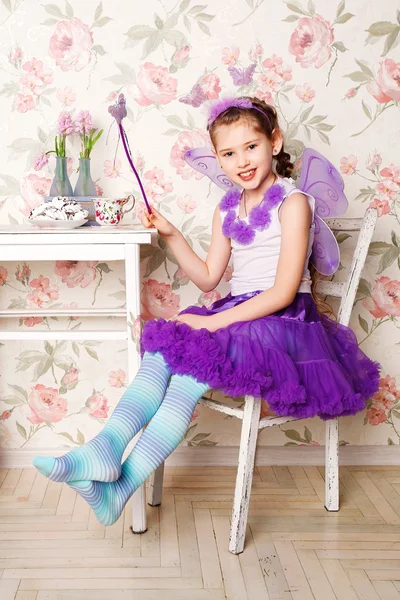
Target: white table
{"x": 26, "y": 243}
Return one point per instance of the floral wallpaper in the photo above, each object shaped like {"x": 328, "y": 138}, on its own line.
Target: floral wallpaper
{"x": 332, "y": 70}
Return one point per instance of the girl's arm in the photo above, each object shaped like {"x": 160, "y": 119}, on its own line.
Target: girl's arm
{"x": 205, "y": 274}
{"x": 295, "y": 224}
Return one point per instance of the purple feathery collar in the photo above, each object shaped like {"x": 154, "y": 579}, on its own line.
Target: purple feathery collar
{"x": 259, "y": 216}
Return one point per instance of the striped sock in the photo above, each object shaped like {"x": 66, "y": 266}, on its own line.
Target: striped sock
{"x": 100, "y": 458}
{"x": 164, "y": 432}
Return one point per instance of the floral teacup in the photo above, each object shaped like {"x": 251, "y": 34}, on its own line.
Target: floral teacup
{"x": 109, "y": 211}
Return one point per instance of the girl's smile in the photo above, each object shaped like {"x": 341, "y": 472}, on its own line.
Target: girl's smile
{"x": 245, "y": 155}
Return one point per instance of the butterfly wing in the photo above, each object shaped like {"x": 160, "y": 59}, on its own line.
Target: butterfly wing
{"x": 322, "y": 180}
{"x": 237, "y": 75}
{"x": 248, "y": 74}
{"x": 204, "y": 161}
{"x": 196, "y": 96}
{"x": 325, "y": 253}
{"x": 242, "y": 76}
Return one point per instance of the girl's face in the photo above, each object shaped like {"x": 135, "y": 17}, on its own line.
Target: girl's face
{"x": 245, "y": 154}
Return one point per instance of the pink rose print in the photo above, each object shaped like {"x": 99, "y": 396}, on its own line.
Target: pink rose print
{"x": 382, "y": 206}
{"x": 33, "y": 188}
{"x": 3, "y": 275}
{"x": 66, "y": 96}
{"x": 23, "y": 273}
{"x": 32, "y": 321}
{"x": 385, "y": 298}
{"x": 70, "y": 379}
{"x": 137, "y": 327}
{"x": 391, "y": 172}
{"x": 386, "y": 87}
{"x": 348, "y": 165}
{"x": 112, "y": 96}
{"x": 112, "y": 168}
{"x": 209, "y": 297}
{"x": 376, "y": 416}
{"x": 99, "y": 190}
{"x": 155, "y": 85}
{"x": 186, "y": 141}
{"x": 256, "y": 53}
{"x": 388, "y": 394}
{"x": 181, "y": 56}
{"x": 210, "y": 86}
{"x": 117, "y": 378}
{"x": 159, "y": 300}
{"x": 187, "y": 204}
{"x": 230, "y": 56}
{"x": 71, "y": 305}
{"x": 46, "y": 405}
{"x": 351, "y": 93}
{"x": 310, "y": 41}
{"x": 266, "y": 96}
{"x": 228, "y": 273}
{"x": 157, "y": 186}
{"x": 71, "y": 44}
{"x": 76, "y": 273}
{"x": 387, "y": 189}
{"x": 373, "y": 162}
{"x": 42, "y": 293}
{"x": 15, "y": 56}
{"x": 23, "y": 102}
{"x": 305, "y": 92}
{"x": 181, "y": 277}
{"x": 98, "y": 406}
{"x": 274, "y": 64}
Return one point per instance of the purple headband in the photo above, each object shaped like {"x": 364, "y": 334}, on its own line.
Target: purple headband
{"x": 222, "y": 105}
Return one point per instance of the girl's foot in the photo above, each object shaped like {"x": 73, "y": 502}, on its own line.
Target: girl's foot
{"x": 98, "y": 460}
{"x": 107, "y": 500}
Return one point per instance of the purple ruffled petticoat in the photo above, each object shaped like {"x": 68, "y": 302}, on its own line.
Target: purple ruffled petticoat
{"x": 299, "y": 361}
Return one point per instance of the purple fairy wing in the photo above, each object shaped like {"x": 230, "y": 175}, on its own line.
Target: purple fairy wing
{"x": 322, "y": 180}
{"x": 325, "y": 254}
{"x": 204, "y": 161}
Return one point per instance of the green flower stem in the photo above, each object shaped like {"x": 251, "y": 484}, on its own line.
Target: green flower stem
{"x": 373, "y": 328}
{"x": 249, "y": 15}
{"x": 33, "y": 433}
{"x": 373, "y": 120}
{"x": 97, "y": 287}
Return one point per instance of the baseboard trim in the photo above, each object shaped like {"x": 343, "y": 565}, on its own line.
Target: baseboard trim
{"x": 187, "y": 456}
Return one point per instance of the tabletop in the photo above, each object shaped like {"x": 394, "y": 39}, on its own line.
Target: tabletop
{"x": 121, "y": 234}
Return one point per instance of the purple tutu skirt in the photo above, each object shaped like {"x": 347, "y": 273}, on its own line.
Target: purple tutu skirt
{"x": 299, "y": 361}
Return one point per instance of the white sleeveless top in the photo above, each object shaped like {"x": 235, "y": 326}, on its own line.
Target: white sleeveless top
{"x": 255, "y": 264}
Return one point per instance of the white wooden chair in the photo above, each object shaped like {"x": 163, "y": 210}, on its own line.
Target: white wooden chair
{"x": 250, "y": 414}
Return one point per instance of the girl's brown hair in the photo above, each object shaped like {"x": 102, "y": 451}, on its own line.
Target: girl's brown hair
{"x": 265, "y": 120}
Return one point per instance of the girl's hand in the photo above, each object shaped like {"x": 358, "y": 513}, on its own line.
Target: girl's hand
{"x": 197, "y": 321}
{"x": 155, "y": 219}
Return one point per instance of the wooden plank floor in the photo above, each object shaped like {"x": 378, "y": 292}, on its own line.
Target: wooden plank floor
{"x": 52, "y": 547}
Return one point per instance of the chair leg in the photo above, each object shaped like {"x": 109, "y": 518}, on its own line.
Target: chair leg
{"x": 139, "y": 517}
{"x": 244, "y": 477}
{"x": 332, "y": 465}
{"x": 155, "y": 486}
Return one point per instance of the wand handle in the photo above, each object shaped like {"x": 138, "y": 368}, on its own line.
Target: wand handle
{"x": 122, "y": 132}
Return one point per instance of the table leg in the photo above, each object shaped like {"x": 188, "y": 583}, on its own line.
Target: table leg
{"x": 132, "y": 276}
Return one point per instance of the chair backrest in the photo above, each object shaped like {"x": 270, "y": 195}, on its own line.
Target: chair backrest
{"x": 348, "y": 289}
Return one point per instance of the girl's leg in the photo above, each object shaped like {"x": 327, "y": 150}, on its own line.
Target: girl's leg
{"x": 100, "y": 459}
{"x": 164, "y": 432}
